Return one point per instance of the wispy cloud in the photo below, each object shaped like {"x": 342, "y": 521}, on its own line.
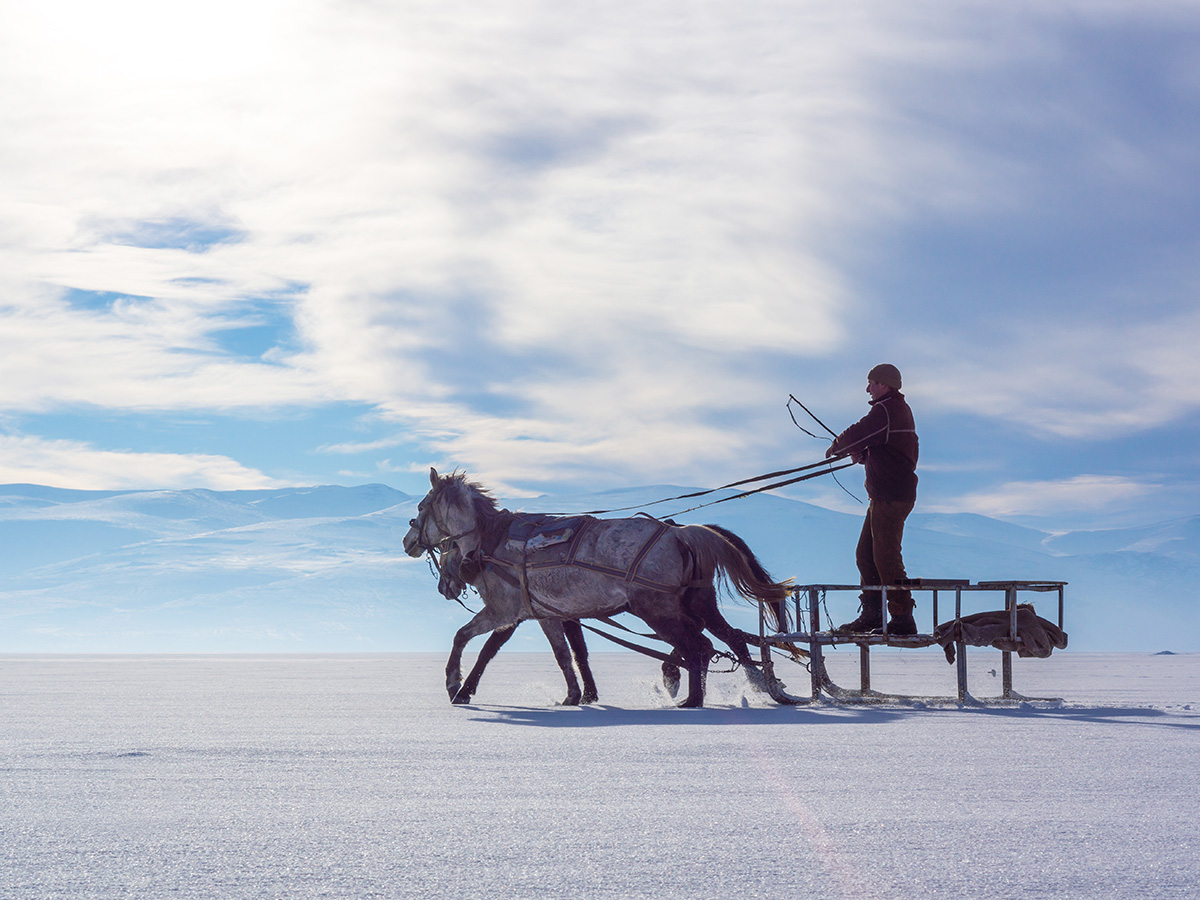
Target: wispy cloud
{"x": 591, "y": 243}
{"x": 589, "y": 206}
{"x": 75, "y": 464}
{"x": 1077, "y": 378}
{"x": 1083, "y": 493}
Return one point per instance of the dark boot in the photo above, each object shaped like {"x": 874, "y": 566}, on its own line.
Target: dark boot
{"x": 900, "y": 616}
{"x": 870, "y": 617}
{"x": 899, "y": 626}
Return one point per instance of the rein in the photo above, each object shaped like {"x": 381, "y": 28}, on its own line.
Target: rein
{"x": 770, "y": 487}
{"x": 805, "y": 468}
{"x": 629, "y": 645}
{"x": 817, "y": 465}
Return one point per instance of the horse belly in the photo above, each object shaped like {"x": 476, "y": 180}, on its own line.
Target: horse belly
{"x": 570, "y": 592}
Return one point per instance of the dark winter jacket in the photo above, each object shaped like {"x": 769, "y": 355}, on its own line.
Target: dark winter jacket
{"x": 886, "y": 438}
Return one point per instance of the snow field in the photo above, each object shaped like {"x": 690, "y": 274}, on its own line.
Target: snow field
{"x": 352, "y": 776}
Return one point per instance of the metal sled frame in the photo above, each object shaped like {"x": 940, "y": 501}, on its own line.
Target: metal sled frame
{"x": 823, "y": 687}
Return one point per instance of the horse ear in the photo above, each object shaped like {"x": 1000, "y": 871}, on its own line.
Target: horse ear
{"x": 433, "y": 476}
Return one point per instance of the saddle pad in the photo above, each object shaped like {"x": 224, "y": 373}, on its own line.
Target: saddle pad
{"x": 544, "y": 539}
{"x": 578, "y": 542}
{"x": 537, "y": 533}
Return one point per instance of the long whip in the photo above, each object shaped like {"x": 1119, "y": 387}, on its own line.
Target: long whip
{"x": 793, "y": 399}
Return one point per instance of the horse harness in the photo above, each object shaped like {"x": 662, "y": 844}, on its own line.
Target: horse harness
{"x": 444, "y": 544}
{"x": 552, "y": 542}
{"x": 529, "y": 534}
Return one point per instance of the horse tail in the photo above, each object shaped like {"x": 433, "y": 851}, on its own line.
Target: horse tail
{"x": 719, "y": 551}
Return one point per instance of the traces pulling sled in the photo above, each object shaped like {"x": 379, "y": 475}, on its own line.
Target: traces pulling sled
{"x": 1014, "y": 629}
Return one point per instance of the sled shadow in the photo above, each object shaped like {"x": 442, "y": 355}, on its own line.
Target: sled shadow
{"x": 600, "y": 716}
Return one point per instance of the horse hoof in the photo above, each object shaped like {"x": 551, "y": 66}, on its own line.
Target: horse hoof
{"x": 690, "y": 704}
{"x": 571, "y": 701}
{"x": 460, "y": 699}
{"x": 590, "y": 696}
{"x": 671, "y": 679}
{"x": 756, "y": 678}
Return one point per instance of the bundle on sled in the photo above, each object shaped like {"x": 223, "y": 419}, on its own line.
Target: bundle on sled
{"x": 1035, "y": 636}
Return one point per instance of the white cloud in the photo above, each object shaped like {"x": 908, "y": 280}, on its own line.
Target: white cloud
{"x": 548, "y": 238}
{"x": 1081, "y": 494}
{"x": 576, "y": 192}
{"x": 74, "y": 464}
{"x": 364, "y": 446}
{"x": 1079, "y": 379}
{"x": 136, "y": 356}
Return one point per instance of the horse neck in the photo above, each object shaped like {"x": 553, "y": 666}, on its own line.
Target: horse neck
{"x": 480, "y": 525}
{"x": 453, "y": 519}
{"x": 493, "y": 530}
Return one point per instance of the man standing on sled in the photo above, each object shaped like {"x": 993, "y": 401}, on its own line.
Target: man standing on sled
{"x": 885, "y": 441}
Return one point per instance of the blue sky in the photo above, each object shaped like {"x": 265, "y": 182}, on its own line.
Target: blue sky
{"x": 586, "y": 245}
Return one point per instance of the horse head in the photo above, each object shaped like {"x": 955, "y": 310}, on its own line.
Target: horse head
{"x": 456, "y": 570}
{"x": 450, "y": 512}
{"x": 422, "y": 536}
{"x": 451, "y": 584}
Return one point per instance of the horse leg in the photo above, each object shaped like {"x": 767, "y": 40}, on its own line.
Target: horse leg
{"x": 495, "y": 641}
{"x": 686, "y": 635}
{"x": 554, "y": 631}
{"x": 487, "y": 619}
{"x": 671, "y": 675}
{"x": 574, "y": 633}
{"x": 697, "y": 664}
{"x": 701, "y": 599}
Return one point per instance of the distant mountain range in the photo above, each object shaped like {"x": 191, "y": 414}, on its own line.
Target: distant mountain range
{"x": 321, "y": 569}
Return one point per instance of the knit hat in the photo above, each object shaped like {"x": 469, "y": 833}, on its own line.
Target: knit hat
{"x": 885, "y": 373}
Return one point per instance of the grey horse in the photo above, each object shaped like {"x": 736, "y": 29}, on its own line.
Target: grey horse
{"x": 453, "y": 578}
{"x": 663, "y": 574}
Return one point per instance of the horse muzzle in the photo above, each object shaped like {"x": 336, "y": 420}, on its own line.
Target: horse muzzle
{"x": 413, "y": 545}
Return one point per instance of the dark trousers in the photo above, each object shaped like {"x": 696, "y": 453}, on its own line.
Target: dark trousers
{"x": 879, "y": 558}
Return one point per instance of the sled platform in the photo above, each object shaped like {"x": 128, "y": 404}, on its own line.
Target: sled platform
{"x": 808, "y": 600}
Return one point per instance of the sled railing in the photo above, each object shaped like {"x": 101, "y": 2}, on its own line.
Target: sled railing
{"x": 808, "y": 599}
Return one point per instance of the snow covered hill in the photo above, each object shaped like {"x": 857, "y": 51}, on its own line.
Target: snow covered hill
{"x": 321, "y": 569}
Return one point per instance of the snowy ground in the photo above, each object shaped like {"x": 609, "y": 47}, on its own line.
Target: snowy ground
{"x": 353, "y": 777}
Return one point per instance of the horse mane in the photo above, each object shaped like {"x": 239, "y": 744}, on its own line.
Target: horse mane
{"x": 493, "y": 520}
{"x": 471, "y": 491}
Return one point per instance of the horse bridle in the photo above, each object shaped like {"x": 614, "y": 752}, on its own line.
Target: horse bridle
{"x": 449, "y": 538}
{"x": 437, "y": 550}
